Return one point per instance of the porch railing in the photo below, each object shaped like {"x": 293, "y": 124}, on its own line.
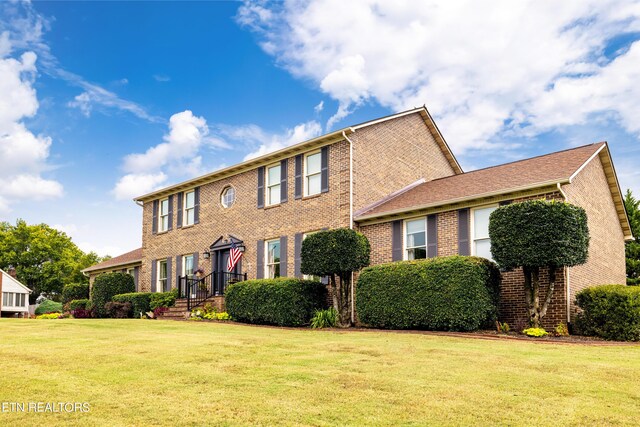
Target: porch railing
{"x": 197, "y": 290}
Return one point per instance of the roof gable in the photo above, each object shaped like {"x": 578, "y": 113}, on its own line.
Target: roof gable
{"x": 13, "y": 284}
{"x": 131, "y": 257}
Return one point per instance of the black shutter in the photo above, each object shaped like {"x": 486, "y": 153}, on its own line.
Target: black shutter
{"x": 284, "y": 189}
{"x": 136, "y": 275}
{"x": 169, "y": 272}
{"x": 178, "y": 268}
{"x": 170, "y": 213}
{"x": 396, "y": 240}
{"x": 324, "y": 161}
{"x": 463, "y": 232}
{"x": 297, "y": 254}
{"x": 505, "y": 202}
{"x": 180, "y": 209}
{"x": 261, "y": 187}
{"x": 196, "y": 205}
{"x": 283, "y": 256}
{"x": 195, "y": 261}
{"x": 260, "y": 260}
{"x": 298, "y": 177}
{"x": 432, "y": 236}
{"x": 154, "y": 225}
{"x": 154, "y": 275}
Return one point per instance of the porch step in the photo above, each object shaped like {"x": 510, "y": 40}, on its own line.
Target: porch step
{"x": 179, "y": 310}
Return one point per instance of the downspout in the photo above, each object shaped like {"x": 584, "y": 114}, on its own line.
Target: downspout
{"x": 353, "y": 308}
{"x": 567, "y": 286}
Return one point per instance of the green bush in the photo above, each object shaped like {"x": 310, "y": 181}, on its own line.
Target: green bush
{"x": 118, "y": 310}
{"x": 48, "y": 306}
{"x": 535, "y": 332}
{"x": 283, "y": 301}
{"x": 75, "y": 291}
{"x": 611, "y": 312}
{"x": 454, "y": 293}
{"x": 338, "y": 251}
{"x": 163, "y": 299}
{"x": 140, "y": 301}
{"x": 324, "y": 318}
{"x": 77, "y": 304}
{"x": 106, "y": 286}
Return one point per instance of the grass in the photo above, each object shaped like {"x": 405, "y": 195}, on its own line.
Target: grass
{"x": 135, "y": 372}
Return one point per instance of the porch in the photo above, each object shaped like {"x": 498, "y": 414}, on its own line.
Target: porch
{"x": 194, "y": 291}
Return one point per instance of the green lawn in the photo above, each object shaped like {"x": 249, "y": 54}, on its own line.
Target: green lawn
{"x": 136, "y": 372}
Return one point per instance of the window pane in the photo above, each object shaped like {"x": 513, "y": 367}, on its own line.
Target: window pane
{"x": 190, "y": 199}
{"x": 188, "y": 265}
{"x": 481, "y": 222}
{"x": 483, "y": 248}
{"x": 190, "y": 216}
{"x": 163, "y": 270}
{"x": 416, "y": 226}
{"x": 313, "y": 164}
{"x": 228, "y": 197}
{"x": 417, "y": 253}
{"x": 274, "y": 175}
{"x": 274, "y": 194}
{"x": 313, "y": 185}
{"x": 273, "y": 252}
{"x": 164, "y": 207}
{"x": 417, "y": 239}
{"x": 165, "y": 223}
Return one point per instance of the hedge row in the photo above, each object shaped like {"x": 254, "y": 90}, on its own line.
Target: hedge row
{"x": 140, "y": 301}
{"x": 282, "y": 301}
{"x": 611, "y": 312}
{"x": 75, "y": 291}
{"x": 455, "y": 293}
{"x": 106, "y": 286}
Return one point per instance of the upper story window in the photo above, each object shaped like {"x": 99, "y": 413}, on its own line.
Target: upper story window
{"x": 272, "y": 264}
{"x": 162, "y": 276}
{"x": 416, "y": 238}
{"x": 189, "y": 207}
{"x": 481, "y": 245}
{"x": 273, "y": 185}
{"x": 312, "y": 174}
{"x": 163, "y": 218}
{"x": 228, "y": 196}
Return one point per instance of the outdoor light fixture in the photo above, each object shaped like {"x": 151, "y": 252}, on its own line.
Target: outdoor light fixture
{"x": 206, "y": 254}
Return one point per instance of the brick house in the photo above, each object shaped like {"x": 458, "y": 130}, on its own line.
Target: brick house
{"x": 396, "y": 180}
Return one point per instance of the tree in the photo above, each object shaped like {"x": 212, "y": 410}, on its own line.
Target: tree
{"x": 537, "y": 234}
{"x": 632, "y": 248}
{"x": 339, "y": 253}
{"x": 45, "y": 259}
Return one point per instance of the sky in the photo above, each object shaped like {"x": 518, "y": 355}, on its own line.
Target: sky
{"x": 101, "y": 102}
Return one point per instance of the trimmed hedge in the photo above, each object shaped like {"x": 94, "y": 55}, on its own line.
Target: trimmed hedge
{"x": 140, "y": 301}
{"x": 163, "y": 299}
{"x": 48, "y": 306}
{"x": 283, "y": 301}
{"x": 75, "y": 291}
{"x": 106, "y": 286}
{"x": 78, "y": 304}
{"x": 610, "y": 311}
{"x": 456, "y": 293}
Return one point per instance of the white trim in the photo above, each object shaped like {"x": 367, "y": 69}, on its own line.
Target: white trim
{"x": 185, "y": 215}
{"x": 472, "y": 239}
{"x": 225, "y": 190}
{"x": 266, "y": 258}
{"x": 267, "y": 187}
{"x": 404, "y": 234}
{"x": 573, "y": 175}
{"x": 387, "y": 118}
{"x": 305, "y": 186}
{"x": 567, "y": 286}
{"x": 159, "y": 285}
{"x": 184, "y": 264}
{"x": 7, "y": 276}
{"x": 160, "y": 216}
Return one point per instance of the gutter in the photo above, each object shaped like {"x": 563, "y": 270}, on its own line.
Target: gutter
{"x": 353, "y": 308}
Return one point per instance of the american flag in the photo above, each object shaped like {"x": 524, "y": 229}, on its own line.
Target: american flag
{"x": 234, "y": 256}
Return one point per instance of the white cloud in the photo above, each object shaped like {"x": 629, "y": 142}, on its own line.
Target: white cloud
{"x": 137, "y": 184}
{"x": 484, "y": 72}
{"x": 272, "y": 142}
{"x": 161, "y": 78}
{"x": 318, "y": 108}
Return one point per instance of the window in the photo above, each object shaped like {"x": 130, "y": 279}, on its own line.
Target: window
{"x": 131, "y": 272}
{"x": 162, "y": 277}
{"x": 20, "y": 300}
{"x": 187, "y": 265}
{"x": 312, "y": 174}
{"x": 189, "y": 207}
{"x": 228, "y": 197}
{"x": 416, "y": 238}
{"x": 273, "y": 259}
{"x": 7, "y": 299}
{"x": 163, "y": 218}
{"x": 273, "y": 185}
{"x": 481, "y": 245}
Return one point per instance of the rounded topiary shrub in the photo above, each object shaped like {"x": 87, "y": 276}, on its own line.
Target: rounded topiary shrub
{"x": 48, "y": 306}
{"x": 455, "y": 293}
{"x": 140, "y": 301}
{"x": 106, "y": 286}
{"x": 611, "y": 312}
{"x": 282, "y": 301}
{"x": 75, "y": 291}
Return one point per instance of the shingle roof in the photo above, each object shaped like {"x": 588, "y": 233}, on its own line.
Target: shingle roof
{"x": 124, "y": 259}
{"x": 507, "y": 177}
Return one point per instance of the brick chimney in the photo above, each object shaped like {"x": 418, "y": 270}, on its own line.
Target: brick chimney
{"x": 12, "y": 272}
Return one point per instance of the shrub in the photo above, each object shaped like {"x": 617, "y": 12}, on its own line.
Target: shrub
{"x": 454, "y": 293}
{"x": 324, "y": 318}
{"x": 75, "y": 291}
{"x": 48, "y": 306}
{"x": 140, "y": 301}
{"x": 49, "y": 316}
{"x": 535, "y": 332}
{"x": 502, "y": 328}
{"x": 106, "y": 286}
{"x": 163, "y": 299}
{"x": 611, "y": 312}
{"x": 561, "y": 330}
{"x": 118, "y": 310}
{"x": 283, "y": 301}
{"x": 78, "y": 304}
{"x": 81, "y": 313}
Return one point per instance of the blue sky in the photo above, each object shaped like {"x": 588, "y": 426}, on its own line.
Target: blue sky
{"x": 103, "y": 101}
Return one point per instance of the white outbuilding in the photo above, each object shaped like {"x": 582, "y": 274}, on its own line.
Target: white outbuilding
{"x": 15, "y": 296}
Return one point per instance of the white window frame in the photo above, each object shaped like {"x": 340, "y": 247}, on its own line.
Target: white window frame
{"x": 131, "y": 271}
{"x": 184, "y": 265}
{"x": 267, "y": 264}
{"x": 307, "y": 175}
{"x": 162, "y": 215}
{"x": 160, "y": 281}
{"x": 405, "y": 248}
{"x": 472, "y": 229}
{"x": 187, "y": 209}
{"x": 269, "y": 185}
{"x": 8, "y": 301}
{"x": 223, "y": 200}
{"x": 19, "y": 300}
